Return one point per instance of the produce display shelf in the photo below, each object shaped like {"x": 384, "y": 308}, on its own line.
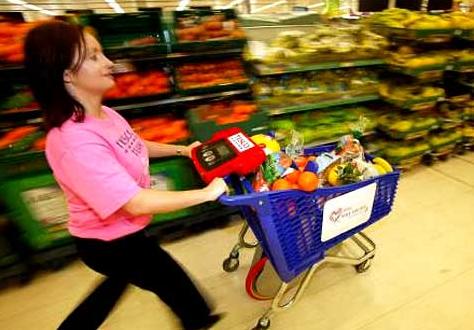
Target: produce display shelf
{"x": 201, "y": 46}
{"x": 265, "y": 70}
{"x": 11, "y": 68}
{"x": 31, "y": 199}
{"x": 178, "y": 56}
{"x": 22, "y": 162}
{"x": 467, "y": 34}
{"x": 316, "y": 143}
{"x": 409, "y": 135}
{"x": 232, "y": 86}
{"x": 466, "y": 84}
{"x": 31, "y": 115}
{"x": 462, "y": 98}
{"x": 416, "y": 104}
{"x": 324, "y": 104}
{"x": 463, "y": 66}
{"x": 156, "y": 58}
{"x": 28, "y": 115}
{"x": 181, "y": 99}
{"x": 446, "y": 144}
{"x": 433, "y": 35}
{"x": 426, "y": 72}
{"x": 204, "y": 129}
{"x": 197, "y": 45}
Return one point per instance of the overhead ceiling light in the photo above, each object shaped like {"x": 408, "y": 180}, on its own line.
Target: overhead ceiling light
{"x": 32, "y": 7}
{"x": 281, "y": 2}
{"x": 316, "y": 5}
{"x": 48, "y": 12}
{"x": 233, "y": 3}
{"x": 17, "y": 2}
{"x": 115, "y": 6}
{"x": 183, "y": 4}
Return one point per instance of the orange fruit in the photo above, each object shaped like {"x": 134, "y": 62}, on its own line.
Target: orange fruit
{"x": 293, "y": 176}
{"x": 295, "y": 186}
{"x": 281, "y": 184}
{"x": 301, "y": 162}
{"x": 308, "y": 181}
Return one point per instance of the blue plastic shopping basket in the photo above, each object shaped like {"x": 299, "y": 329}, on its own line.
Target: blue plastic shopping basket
{"x": 288, "y": 224}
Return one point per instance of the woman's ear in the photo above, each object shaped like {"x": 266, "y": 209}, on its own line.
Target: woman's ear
{"x": 67, "y": 76}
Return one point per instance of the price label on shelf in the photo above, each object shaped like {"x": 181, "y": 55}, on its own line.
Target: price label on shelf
{"x": 123, "y": 67}
{"x": 47, "y": 205}
{"x": 346, "y": 64}
{"x": 34, "y": 121}
{"x": 161, "y": 182}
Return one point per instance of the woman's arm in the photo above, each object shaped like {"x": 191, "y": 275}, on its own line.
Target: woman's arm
{"x": 156, "y": 150}
{"x": 149, "y": 201}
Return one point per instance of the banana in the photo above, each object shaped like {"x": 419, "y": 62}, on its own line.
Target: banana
{"x": 380, "y": 170}
{"x": 382, "y": 163}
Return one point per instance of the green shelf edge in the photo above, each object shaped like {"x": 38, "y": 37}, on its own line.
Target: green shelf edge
{"x": 268, "y": 71}
{"x": 324, "y": 104}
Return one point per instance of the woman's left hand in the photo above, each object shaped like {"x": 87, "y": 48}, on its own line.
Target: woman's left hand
{"x": 190, "y": 147}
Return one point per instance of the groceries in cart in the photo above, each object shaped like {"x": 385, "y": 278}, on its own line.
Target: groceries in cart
{"x": 293, "y": 169}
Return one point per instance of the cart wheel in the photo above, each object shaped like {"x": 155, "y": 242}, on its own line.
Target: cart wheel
{"x": 25, "y": 278}
{"x": 56, "y": 264}
{"x": 231, "y": 264}
{"x": 364, "y": 266}
{"x": 263, "y": 324}
{"x": 444, "y": 157}
{"x": 460, "y": 149}
{"x": 427, "y": 159}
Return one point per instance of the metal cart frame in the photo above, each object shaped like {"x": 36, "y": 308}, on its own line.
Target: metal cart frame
{"x": 280, "y": 301}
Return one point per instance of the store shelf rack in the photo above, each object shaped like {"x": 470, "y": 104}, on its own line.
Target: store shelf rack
{"x": 343, "y": 100}
{"x": 269, "y": 70}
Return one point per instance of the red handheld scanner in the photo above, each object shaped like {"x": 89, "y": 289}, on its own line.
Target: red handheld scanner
{"x": 229, "y": 151}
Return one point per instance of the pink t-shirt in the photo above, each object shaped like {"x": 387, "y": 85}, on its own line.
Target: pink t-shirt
{"x": 100, "y": 164}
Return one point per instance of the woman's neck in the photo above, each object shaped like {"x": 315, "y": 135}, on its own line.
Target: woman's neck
{"x": 92, "y": 103}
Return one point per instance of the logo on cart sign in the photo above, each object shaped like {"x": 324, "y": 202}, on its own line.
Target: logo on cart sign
{"x": 345, "y": 212}
{"x": 240, "y": 142}
{"x": 342, "y": 214}
{"x": 335, "y": 215}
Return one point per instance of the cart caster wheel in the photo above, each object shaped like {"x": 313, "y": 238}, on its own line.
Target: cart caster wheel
{"x": 263, "y": 324}
{"x": 24, "y": 279}
{"x": 444, "y": 157}
{"x": 56, "y": 264}
{"x": 364, "y": 266}
{"x": 231, "y": 264}
{"x": 427, "y": 159}
{"x": 460, "y": 150}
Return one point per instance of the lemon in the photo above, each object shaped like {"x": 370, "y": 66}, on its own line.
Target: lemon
{"x": 266, "y": 142}
{"x": 333, "y": 177}
{"x": 383, "y": 163}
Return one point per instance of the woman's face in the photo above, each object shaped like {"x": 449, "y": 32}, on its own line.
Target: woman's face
{"x": 94, "y": 76}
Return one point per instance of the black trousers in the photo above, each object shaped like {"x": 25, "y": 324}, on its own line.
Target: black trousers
{"x": 135, "y": 259}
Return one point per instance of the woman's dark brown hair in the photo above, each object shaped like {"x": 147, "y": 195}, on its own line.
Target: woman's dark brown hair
{"x": 50, "y": 49}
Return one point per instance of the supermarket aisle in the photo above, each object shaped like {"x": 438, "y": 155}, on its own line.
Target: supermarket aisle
{"x": 422, "y": 276}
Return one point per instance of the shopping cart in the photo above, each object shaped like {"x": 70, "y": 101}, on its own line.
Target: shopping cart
{"x": 295, "y": 229}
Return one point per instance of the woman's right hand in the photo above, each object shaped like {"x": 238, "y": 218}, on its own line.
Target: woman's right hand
{"x": 216, "y": 188}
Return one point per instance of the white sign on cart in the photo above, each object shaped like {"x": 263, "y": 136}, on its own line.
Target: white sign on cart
{"x": 347, "y": 211}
